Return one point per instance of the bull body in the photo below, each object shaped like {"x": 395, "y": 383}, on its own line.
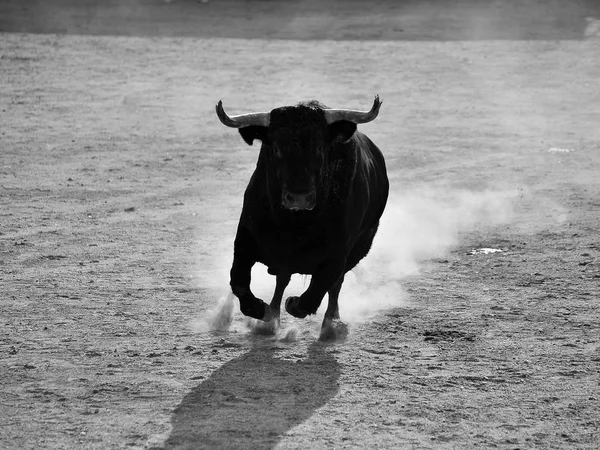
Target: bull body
{"x": 312, "y": 207}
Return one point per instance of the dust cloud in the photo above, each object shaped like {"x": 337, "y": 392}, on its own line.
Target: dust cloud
{"x": 219, "y": 317}
{"x": 418, "y": 225}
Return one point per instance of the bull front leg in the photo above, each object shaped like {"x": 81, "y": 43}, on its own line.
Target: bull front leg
{"x": 245, "y": 255}
{"x": 325, "y": 279}
{"x": 271, "y": 327}
{"x": 333, "y": 328}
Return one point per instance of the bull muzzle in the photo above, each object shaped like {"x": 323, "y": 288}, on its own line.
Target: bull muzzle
{"x": 298, "y": 201}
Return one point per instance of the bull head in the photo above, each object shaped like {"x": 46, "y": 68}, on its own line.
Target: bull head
{"x": 296, "y": 142}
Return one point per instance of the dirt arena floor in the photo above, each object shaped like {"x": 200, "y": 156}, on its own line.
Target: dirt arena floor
{"x": 120, "y": 193}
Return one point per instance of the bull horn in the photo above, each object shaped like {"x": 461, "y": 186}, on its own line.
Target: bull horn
{"x": 333, "y": 115}
{"x": 243, "y": 120}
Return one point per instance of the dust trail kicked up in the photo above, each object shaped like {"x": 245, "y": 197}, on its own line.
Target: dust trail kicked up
{"x": 416, "y": 226}
{"x": 218, "y": 318}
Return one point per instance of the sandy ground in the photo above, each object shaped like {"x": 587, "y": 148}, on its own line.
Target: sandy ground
{"x": 119, "y": 196}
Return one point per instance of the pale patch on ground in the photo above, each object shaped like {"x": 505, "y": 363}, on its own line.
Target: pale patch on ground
{"x": 485, "y": 251}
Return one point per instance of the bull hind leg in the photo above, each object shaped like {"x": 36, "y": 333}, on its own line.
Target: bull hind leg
{"x": 333, "y": 328}
{"x": 270, "y": 327}
{"x": 280, "y": 285}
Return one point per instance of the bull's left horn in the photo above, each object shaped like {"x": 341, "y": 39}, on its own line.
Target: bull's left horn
{"x": 243, "y": 120}
{"x": 333, "y": 115}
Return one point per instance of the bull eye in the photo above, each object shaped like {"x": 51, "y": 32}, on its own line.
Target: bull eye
{"x": 276, "y": 152}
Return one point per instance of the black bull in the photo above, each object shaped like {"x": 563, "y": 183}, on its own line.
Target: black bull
{"x": 312, "y": 205}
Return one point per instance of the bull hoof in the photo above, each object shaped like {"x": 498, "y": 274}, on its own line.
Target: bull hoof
{"x": 292, "y": 306}
{"x": 333, "y": 330}
{"x": 256, "y": 309}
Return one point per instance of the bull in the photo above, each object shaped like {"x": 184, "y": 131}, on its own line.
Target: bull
{"x": 312, "y": 205}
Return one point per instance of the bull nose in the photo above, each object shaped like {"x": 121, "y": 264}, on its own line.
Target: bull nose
{"x": 298, "y": 200}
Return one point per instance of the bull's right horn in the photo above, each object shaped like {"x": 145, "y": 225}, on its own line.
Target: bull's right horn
{"x": 243, "y": 120}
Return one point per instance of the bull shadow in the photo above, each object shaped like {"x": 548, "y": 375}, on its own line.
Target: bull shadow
{"x": 253, "y": 400}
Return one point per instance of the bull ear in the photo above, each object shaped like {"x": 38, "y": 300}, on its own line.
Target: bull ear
{"x": 249, "y": 134}
{"x": 341, "y": 131}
